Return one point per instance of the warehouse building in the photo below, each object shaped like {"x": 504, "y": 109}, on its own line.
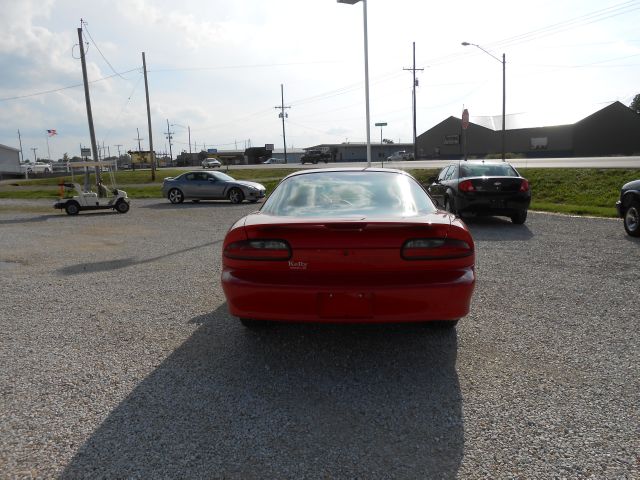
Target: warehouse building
{"x": 612, "y": 130}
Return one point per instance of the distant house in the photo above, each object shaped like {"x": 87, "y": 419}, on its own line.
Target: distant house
{"x": 612, "y": 130}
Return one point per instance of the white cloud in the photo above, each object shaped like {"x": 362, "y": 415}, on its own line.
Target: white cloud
{"x": 217, "y": 66}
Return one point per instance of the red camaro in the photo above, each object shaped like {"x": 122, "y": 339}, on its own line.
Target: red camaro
{"x": 349, "y": 245}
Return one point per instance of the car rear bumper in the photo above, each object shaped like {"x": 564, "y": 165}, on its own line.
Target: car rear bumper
{"x": 492, "y": 205}
{"x": 374, "y": 302}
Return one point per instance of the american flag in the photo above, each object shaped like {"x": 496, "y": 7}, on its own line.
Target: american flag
{"x": 52, "y": 132}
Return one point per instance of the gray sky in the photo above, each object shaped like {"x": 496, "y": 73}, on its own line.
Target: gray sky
{"x": 216, "y": 66}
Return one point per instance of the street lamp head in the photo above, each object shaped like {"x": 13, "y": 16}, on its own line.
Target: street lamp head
{"x": 350, "y": 2}
{"x": 466, "y": 44}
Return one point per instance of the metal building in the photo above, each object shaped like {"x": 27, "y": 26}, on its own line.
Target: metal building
{"x": 9, "y": 161}
{"x": 612, "y": 130}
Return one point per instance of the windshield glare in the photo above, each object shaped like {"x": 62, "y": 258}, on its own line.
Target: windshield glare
{"x": 344, "y": 194}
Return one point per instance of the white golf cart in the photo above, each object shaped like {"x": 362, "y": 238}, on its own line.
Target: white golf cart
{"x": 85, "y": 198}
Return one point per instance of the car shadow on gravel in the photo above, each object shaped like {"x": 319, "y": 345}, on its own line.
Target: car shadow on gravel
{"x": 39, "y": 218}
{"x": 289, "y": 401}
{"x": 108, "y": 265}
{"x": 497, "y": 229}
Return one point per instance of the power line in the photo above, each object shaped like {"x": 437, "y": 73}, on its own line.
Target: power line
{"x": 100, "y": 51}
{"x": 123, "y": 108}
{"x": 62, "y": 88}
{"x": 231, "y": 67}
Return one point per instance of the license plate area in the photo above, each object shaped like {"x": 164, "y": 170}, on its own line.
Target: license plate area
{"x": 345, "y": 305}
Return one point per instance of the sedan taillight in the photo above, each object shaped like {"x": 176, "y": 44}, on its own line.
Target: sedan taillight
{"x": 524, "y": 186}
{"x": 435, "y": 249}
{"x": 258, "y": 250}
{"x": 466, "y": 186}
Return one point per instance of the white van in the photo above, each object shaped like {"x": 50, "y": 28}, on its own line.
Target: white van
{"x": 273, "y": 160}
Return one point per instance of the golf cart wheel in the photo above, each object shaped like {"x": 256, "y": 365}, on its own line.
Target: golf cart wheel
{"x": 236, "y": 195}
{"x": 175, "y": 196}
{"x": 122, "y": 206}
{"x": 72, "y": 208}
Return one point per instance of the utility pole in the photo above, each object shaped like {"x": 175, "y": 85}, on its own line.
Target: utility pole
{"x": 118, "y": 160}
{"x": 138, "y": 138}
{"x": 169, "y": 136}
{"x": 146, "y": 89}
{"x": 20, "y": 140}
{"x": 92, "y": 133}
{"x": 415, "y": 84}
{"x": 283, "y": 115}
{"x": 504, "y": 102}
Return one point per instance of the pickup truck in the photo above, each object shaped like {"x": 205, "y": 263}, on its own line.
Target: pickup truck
{"x": 314, "y": 156}
{"x": 401, "y": 155}
{"x": 38, "y": 167}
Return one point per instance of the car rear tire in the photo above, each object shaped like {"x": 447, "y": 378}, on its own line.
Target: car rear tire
{"x": 520, "y": 217}
{"x": 448, "y": 206}
{"x": 253, "y": 324}
{"x": 444, "y": 324}
{"x": 175, "y": 196}
{"x": 122, "y": 206}
{"x": 632, "y": 219}
{"x": 72, "y": 208}
{"x": 235, "y": 195}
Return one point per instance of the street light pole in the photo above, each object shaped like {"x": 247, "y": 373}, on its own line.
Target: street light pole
{"x": 366, "y": 73}
{"x": 504, "y": 92}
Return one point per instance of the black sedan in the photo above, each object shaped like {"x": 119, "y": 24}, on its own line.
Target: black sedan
{"x": 629, "y": 207}
{"x": 482, "y": 188}
{"x": 198, "y": 186}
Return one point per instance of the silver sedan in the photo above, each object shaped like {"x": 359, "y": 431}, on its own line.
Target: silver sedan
{"x": 198, "y": 186}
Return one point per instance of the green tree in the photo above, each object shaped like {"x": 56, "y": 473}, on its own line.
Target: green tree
{"x": 635, "y": 104}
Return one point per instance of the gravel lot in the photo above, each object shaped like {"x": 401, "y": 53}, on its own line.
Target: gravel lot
{"x": 119, "y": 359}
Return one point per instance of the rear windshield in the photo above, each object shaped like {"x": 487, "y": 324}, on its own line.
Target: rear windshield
{"x": 489, "y": 170}
{"x": 346, "y": 194}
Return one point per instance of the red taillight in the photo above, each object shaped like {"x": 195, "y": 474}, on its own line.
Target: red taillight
{"x": 466, "y": 186}
{"x": 435, "y": 249}
{"x": 524, "y": 186}
{"x": 258, "y": 250}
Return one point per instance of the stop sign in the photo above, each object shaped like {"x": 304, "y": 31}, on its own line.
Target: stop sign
{"x": 465, "y": 119}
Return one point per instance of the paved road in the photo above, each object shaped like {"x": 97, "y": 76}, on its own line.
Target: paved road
{"x": 569, "y": 162}
{"x": 119, "y": 359}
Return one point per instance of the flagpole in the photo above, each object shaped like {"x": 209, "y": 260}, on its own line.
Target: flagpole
{"x": 48, "y": 152}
